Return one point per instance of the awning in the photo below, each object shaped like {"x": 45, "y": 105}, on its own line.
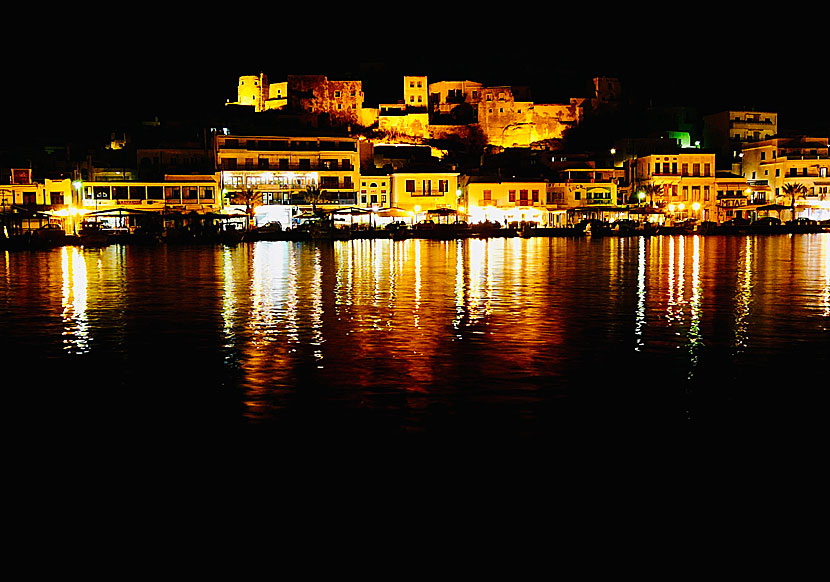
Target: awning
{"x": 643, "y": 210}
{"x": 352, "y": 210}
{"x": 393, "y": 213}
{"x": 443, "y": 211}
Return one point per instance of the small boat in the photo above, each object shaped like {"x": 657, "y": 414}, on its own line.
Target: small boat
{"x": 93, "y": 234}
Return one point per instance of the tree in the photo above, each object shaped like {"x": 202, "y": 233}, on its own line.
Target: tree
{"x": 651, "y": 190}
{"x": 250, "y": 198}
{"x": 794, "y": 191}
{"x": 314, "y": 195}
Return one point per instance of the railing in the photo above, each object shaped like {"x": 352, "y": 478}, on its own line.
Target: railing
{"x": 784, "y": 156}
{"x": 225, "y": 167}
{"x": 732, "y": 122}
{"x": 429, "y": 193}
{"x": 276, "y": 146}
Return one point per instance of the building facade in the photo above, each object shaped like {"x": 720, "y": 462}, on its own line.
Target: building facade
{"x": 508, "y": 119}
{"x": 727, "y": 132}
{"x": 256, "y": 91}
{"x": 415, "y": 92}
{"x": 507, "y": 202}
{"x": 446, "y": 95}
{"x": 686, "y": 184}
{"x": 423, "y": 188}
{"x": 340, "y": 101}
{"x": 375, "y": 191}
{"x": 279, "y": 168}
{"x": 800, "y": 160}
{"x": 580, "y": 193}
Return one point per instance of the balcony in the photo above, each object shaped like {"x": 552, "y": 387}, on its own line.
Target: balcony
{"x": 741, "y": 122}
{"x": 230, "y": 166}
{"x": 264, "y": 145}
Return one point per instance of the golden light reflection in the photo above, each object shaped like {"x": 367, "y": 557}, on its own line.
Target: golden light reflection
{"x": 640, "y": 316}
{"x": 681, "y": 274}
{"x": 344, "y": 277}
{"x": 317, "y": 308}
{"x": 76, "y": 335}
{"x": 695, "y": 312}
{"x": 826, "y": 294}
{"x": 459, "y": 284}
{"x": 229, "y": 300}
{"x": 671, "y": 303}
{"x": 417, "y": 306}
{"x": 481, "y": 283}
{"x": 743, "y": 295}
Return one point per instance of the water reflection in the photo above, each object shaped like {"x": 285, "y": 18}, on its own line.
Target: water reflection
{"x": 743, "y": 295}
{"x": 826, "y": 294}
{"x": 640, "y": 315}
{"x": 416, "y": 330}
{"x": 74, "y": 301}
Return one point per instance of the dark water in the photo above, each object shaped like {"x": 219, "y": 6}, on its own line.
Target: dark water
{"x": 496, "y": 338}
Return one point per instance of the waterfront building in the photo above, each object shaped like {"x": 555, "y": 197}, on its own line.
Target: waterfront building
{"x": 736, "y": 198}
{"x": 175, "y": 194}
{"x": 420, "y": 187}
{"x": 506, "y": 200}
{"x": 176, "y": 158}
{"x": 727, "y": 132}
{"x": 30, "y": 205}
{"x": 375, "y": 191}
{"x": 584, "y": 193}
{"x": 277, "y": 171}
{"x": 793, "y": 160}
{"x": 685, "y": 181}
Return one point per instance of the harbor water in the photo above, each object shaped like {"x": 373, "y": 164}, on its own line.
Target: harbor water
{"x": 476, "y": 338}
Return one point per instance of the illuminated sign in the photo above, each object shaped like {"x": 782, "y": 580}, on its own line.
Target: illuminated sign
{"x": 21, "y": 176}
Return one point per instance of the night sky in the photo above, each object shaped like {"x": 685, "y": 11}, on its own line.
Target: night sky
{"x": 114, "y": 73}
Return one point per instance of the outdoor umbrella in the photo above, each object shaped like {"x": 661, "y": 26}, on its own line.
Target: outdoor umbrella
{"x": 352, "y": 211}
{"x": 394, "y": 213}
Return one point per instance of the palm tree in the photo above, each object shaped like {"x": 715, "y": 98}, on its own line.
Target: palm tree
{"x": 248, "y": 197}
{"x": 251, "y": 199}
{"x": 794, "y": 191}
{"x": 651, "y": 190}
{"x": 314, "y": 195}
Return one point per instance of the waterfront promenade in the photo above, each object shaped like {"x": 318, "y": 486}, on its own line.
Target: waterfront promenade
{"x": 51, "y": 239}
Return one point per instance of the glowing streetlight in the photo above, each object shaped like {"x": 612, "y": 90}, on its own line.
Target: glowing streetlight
{"x": 696, "y": 206}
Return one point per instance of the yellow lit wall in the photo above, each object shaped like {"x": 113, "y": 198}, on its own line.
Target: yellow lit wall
{"x": 426, "y": 190}
{"x": 685, "y": 179}
{"x": 375, "y": 191}
{"x": 414, "y": 125}
{"x": 415, "y": 91}
{"x": 502, "y": 201}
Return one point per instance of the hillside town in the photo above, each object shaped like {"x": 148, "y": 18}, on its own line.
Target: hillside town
{"x": 310, "y": 155}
